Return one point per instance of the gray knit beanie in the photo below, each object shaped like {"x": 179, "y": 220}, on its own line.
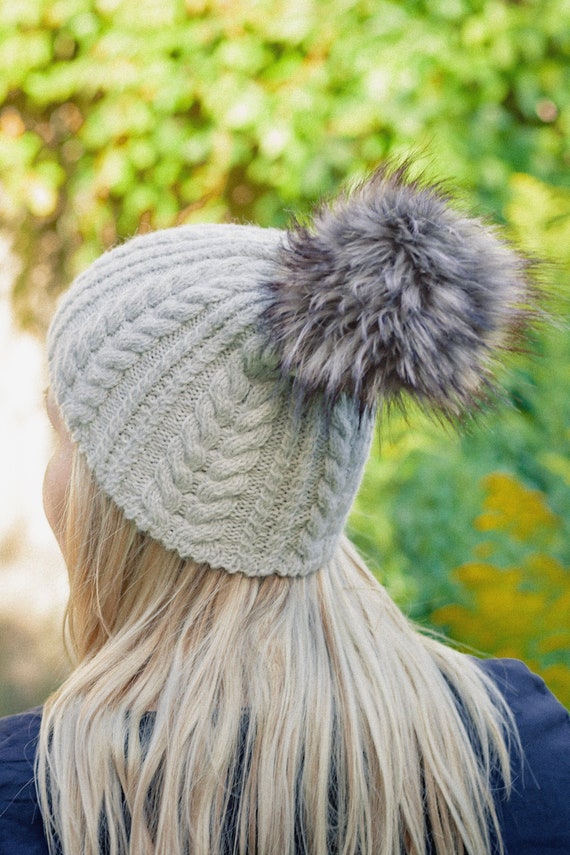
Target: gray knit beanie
{"x": 222, "y": 380}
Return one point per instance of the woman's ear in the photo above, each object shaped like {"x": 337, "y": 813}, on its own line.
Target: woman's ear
{"x": 58, "y": 472}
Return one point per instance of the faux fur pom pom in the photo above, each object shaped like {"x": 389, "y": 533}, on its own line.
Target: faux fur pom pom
{"x": 390, "y": 289}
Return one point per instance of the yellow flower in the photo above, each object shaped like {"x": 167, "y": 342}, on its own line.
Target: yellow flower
{"x": 513, "y": 508}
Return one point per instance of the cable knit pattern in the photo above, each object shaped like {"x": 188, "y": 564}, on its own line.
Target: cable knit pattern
{"x": 222, "y": 380}
{"x": 160, "y": 363}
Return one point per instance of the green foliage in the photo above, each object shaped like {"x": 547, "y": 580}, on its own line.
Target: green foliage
{"x": 120, "y": 115}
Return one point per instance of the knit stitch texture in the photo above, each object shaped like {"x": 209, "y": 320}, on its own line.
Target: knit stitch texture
{"x": 161, "y": 369}
{"x": 222, "y": 379}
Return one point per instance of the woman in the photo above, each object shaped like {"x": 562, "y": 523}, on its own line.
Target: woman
{"x": 243, "y": 683}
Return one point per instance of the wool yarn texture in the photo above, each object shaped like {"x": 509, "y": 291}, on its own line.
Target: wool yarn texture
{"x": 222, "y": 380}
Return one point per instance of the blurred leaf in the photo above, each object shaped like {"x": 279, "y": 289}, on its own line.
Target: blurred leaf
{"x": 523, "y": 611}
{"x": 299, "y": 96}
{"x": 118, "y": 116}
{"x": 511, "y": 507}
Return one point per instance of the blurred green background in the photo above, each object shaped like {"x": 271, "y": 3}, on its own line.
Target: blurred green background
{"x": 120, "y": 116}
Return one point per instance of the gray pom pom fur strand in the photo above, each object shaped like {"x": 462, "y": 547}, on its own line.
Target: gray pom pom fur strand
{"x": 391, "y": 289}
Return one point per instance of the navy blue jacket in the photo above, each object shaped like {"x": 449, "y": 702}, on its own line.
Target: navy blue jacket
{"x": 534, "y": 821}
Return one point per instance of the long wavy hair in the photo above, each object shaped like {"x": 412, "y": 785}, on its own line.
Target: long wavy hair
{"x": 211, "y": 713}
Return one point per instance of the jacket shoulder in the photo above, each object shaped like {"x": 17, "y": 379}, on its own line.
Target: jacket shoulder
{"x": 21, "y": 826}
{"x": 536, "y": 816}
{"x": 19, "y": 736}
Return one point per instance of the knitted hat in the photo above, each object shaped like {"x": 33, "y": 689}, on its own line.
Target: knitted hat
{"x": 222, "y": 380}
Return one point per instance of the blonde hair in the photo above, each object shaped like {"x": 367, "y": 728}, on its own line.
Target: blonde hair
{"x": 213, "y": 713}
